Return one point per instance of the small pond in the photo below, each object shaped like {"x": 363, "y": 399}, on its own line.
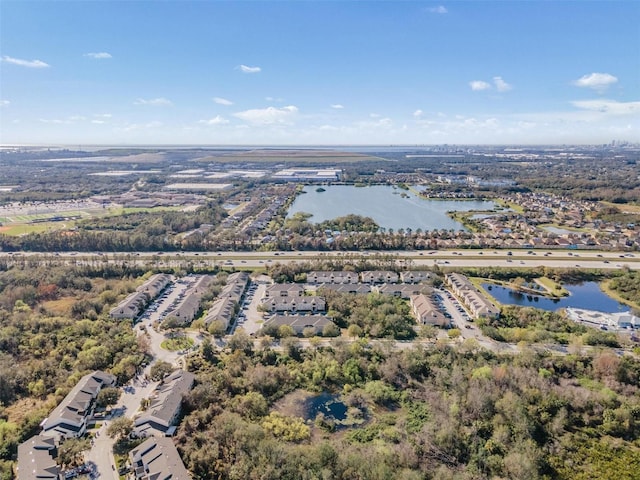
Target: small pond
{"x": 328, "y": 404}
{"x": 587, "y": 296}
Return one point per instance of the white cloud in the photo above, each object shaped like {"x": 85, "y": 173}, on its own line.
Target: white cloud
{"x": 247, "y": 69}
{"x": 597, "y": 81}
{"x": 98, "y": 122}
{"x": 337, "y": 106}
{"x": 611, "y": 107}
{"x": 25, "y": 63}
{"x": 54, "y": 121}
{"x": 4, "y": 103}
{"x": 222, "y": 101}
{"x": 501, "y": 85}
{"x": 156, "y": 102}
{"x": 98, "y": 55}
{"x": 217, "y": 120}
{"x": 441, "y": 9}
{"x": 142, "y": 126}
{"x": 418, "y": 113}
{"x": 378, "y": 122}
{"x": 102, "y": 115}
{"x": 479, "y": 85}
{"x": 267, "y": 116}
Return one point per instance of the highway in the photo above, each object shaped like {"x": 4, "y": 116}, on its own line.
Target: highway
{"x": 445, "y": 259}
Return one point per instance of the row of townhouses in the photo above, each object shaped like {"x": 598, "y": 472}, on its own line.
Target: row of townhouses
{"x": 477, "y": 303}
{"x": 165, "y": 405}
{"x": 225, "y": 306}
{"x": 189, "y": 306}
{"x": 368, "y": 277}
{"x": 135, "y": 303}
{"x": 36, "y": 456}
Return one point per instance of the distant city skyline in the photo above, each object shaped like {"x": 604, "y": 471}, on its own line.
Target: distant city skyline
{"x": 319, "y": 72}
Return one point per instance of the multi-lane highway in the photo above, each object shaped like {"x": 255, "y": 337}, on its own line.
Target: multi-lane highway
{"x": 445, "y": 259}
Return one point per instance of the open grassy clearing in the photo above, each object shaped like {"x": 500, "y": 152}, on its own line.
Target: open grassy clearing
{"x": 24, "y": 229}
{"x": 62, "y": 306}
{"x": 552, "y": 287}
{"x": 564, "y": 227}
{"x": 177, "y": 343}
{"x": 18, "y": 411}
{"x": 508, "y": 205}
{"x": 625, "y": 208}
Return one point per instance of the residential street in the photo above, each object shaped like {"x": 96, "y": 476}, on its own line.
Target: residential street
{"x": 101, "y": 453}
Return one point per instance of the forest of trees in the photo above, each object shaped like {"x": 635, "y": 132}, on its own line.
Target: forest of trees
{"x": 423, "y": 413}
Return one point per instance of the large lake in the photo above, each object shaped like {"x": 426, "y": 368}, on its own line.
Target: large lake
{"x": 385, "y": 204}
{"x": 587, "y": 296}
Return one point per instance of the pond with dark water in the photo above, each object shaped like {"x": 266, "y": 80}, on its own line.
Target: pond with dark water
{"x": 586, "y": 295}
{"x": 326, "y": 404}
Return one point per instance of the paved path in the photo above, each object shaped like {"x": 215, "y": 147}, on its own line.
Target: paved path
{"x": 101, "y": 453}
{"x": 101, "y": 456}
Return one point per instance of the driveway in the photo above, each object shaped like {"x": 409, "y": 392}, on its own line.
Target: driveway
{"x": 101, "y": 453}
{"x": 253, "y": 320}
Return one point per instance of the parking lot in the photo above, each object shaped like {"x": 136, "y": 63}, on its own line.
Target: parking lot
{"x": 458, "y": 314}
{"x": 157, "y": 311}
{"x": 249, "y": 318}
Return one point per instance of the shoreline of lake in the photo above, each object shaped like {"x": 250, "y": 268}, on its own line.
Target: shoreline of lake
{"x": 388, "y": 209}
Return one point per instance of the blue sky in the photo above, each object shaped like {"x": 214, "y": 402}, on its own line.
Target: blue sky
{"x": 319, "y": 72}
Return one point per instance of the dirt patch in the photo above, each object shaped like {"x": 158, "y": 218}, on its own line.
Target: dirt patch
{"x": 293, "y": 404}
{"x": 17, "y": 411}
{"x": 62, "y": 306}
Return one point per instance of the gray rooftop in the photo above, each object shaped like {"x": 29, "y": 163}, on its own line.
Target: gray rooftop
{"x": 35, "y": 459}
{"x": 157, "y": 459}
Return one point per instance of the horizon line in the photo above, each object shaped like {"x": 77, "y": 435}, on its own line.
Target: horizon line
{"x": 302, "y": 145}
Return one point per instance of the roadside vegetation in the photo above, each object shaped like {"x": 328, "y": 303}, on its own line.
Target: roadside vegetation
{"x": 627, "y": 287}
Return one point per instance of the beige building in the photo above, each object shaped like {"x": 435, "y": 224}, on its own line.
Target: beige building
{"x": 331, "y": 277}
{"x": 478, "y": 304}
{"x": 426, "y": 312}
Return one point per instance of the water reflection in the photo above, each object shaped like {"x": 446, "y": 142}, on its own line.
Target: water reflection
{"x": 586, "y": 295}
{"x": 326, "y": 404}
{"x": 404, "y": 209}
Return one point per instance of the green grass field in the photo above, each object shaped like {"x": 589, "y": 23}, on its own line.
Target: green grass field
{"x": 24, "y": 229}
{"x": 178, "y": 343}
